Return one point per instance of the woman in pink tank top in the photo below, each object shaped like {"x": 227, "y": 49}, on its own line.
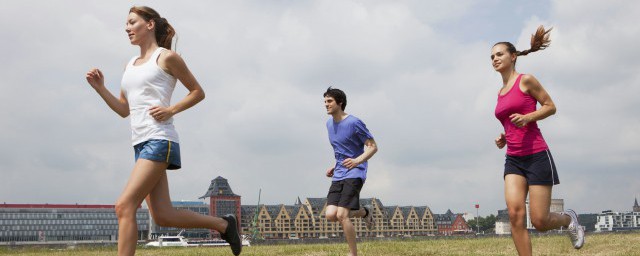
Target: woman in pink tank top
{"x": 145, "y": 96}
{"x": 529, "y": 167}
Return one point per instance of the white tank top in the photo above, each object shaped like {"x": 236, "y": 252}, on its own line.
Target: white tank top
{"x": 146, "y": 86}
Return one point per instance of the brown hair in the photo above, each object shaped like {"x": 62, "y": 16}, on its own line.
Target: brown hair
{"x": 539, "y": 41}
{"x": 163, "y": 30}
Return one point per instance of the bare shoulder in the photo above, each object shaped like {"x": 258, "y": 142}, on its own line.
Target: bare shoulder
{"x": 170, "y": 57}
{"x": 529, "y": 78}
{"x": 529, "y": 82}
{"x": 171, "y": 62}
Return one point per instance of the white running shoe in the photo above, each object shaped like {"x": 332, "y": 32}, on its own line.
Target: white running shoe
{"x": 368, "y": 219}
{"x": 576, "y": 232}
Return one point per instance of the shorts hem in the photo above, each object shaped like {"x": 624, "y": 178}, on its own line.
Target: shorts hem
{"x": 171, "y": 166}
{"x": 350, "y": 208}
{"x": 548, "y": 183}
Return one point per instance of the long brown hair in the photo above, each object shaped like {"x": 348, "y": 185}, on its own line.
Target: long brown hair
{"x": 539, "y": 41}
{"x": 163, "y": 30}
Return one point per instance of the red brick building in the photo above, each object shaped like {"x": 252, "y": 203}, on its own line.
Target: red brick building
{"x": 451, "y": 223}
{"x": 222, "y": 200}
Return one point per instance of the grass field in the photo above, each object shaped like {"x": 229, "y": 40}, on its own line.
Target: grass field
{"x": 600, "y": 244}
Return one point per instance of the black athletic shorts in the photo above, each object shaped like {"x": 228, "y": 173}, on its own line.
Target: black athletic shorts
{"x": 538, "y": 168}
{"x": 345, "y": 193}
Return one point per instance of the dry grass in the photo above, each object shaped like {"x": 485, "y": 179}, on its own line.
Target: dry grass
{"x": 600, "y": 244}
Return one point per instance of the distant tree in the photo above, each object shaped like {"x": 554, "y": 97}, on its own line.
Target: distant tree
{"x": 487, "y": 224}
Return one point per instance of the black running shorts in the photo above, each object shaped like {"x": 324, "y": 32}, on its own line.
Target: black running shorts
{"x": 345, "y": 193}
{"x": 537, "y": 168}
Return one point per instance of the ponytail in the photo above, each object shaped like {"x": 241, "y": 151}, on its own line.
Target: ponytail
{"x": 539, "y": 41}
{"x": 164, "y": 32}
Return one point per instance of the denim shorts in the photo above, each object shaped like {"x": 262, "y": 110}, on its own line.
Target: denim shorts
{"x": 159, "y": 151}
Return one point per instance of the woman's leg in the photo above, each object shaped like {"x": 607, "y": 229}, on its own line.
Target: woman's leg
{"x": 164, "y": 214}
{"x": 515, "y": 195}
{"x": 143, "y": 179}
{"x": 539, "y": 205}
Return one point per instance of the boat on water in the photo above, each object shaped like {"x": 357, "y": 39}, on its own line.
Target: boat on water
{"x": 180, "y": 241}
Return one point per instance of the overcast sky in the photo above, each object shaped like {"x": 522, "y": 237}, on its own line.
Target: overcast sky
{"x": 418, "y": 73}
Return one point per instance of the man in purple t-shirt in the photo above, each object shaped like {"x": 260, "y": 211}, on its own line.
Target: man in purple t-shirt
{"x": 353, "y": 145}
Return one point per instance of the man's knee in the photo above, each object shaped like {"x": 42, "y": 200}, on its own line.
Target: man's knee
{"x": 332, "y": 217}
{"x": 343, "y": 214}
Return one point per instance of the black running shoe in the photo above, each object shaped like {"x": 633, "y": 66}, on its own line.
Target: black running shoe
{"x": 231, "y": 235}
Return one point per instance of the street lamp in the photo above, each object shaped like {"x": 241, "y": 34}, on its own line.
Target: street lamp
{"x": 478, "y": 218}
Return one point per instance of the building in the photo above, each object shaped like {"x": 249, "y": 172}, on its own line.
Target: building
{"x": 306, "y": 219}
{"x": 588, "y": 221}
{"x": 63, "y": 222}
{"x": 451, "y": 224}
{"x": 503, "y": 225}
{"x": 617, "y": 221}
{"x": 222, "y": 200}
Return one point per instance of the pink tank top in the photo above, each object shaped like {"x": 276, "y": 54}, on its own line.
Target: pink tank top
{"x": 520, "y": 141}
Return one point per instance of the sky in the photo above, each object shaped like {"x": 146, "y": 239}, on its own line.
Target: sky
{"x": 418, "y": 73}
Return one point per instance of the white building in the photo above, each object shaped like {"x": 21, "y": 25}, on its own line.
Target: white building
{"x": 612, "y": 221}
{"x": 503, "y": 226}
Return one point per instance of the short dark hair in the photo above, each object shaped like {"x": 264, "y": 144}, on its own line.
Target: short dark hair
{"x": 337, "y": 95}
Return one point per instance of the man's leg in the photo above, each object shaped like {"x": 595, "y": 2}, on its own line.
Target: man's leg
{"x": 331, "y": 213}
{"x": 348, "y": 229}
{"x": 366, "y": 215}
{"x": 360, "y": 213}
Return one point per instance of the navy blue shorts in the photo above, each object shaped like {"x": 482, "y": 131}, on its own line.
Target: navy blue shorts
{"x": 345, "y": 193}
{"x": 159, "y": 151}
{"x": 538, "y": 168}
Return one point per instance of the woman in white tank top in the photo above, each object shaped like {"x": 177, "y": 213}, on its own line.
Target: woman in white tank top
{"x": 147, "y": 84}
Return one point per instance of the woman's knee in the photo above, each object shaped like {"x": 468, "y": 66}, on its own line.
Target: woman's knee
{"x": 517, "y": 216}
{"x": 540, "y": 223}
{"x": 163, "y": 216}
{"x": 125, "y": 209}
{"x": 162, "y": 220}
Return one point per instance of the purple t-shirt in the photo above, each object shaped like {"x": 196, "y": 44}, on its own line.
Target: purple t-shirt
{"x": 347, "y": 138}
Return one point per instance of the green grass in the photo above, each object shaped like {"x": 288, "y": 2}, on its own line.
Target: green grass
{"x": 597, "y": 244}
